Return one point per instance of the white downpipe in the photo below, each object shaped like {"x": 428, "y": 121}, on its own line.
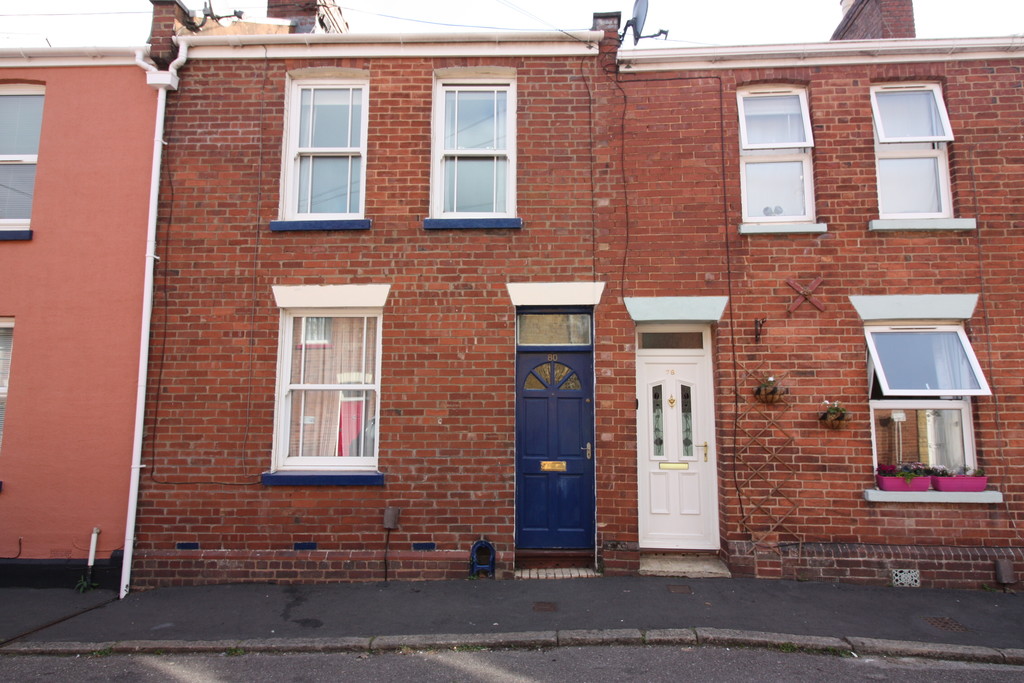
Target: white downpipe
{"x": 162, "y": 81}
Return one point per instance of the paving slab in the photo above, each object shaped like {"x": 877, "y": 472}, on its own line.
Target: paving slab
{"x": 487, "y": 612}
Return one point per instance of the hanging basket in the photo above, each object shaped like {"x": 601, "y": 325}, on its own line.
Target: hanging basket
{"x": 833, "y": 420}
{"x": 769, "y": 394}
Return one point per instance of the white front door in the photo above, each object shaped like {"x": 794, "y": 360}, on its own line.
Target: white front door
{"x": 677, "y": 473}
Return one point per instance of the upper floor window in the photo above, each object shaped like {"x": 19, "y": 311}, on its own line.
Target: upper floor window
{"x": 21, "y": 118}
{"x": 474, "y": 150}
{"x": 775, "y": 154}
{"x": 911, "y": 134}
{"x": 325, "y": 156}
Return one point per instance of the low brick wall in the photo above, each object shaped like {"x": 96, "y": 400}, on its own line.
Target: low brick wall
{"x": 866, "y": 563}
{"x": 186, "y": 568}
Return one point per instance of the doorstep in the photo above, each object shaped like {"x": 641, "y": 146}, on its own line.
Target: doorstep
{"x": 557, "y": 573}
{"x": 692, "y": 566}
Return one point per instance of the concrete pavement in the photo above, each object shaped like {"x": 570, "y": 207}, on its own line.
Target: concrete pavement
{"x": 947, "y": 624}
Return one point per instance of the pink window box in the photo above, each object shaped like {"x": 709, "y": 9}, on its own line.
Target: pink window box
{"x": 901, "y": 484}
{"x": 962, "y": 484}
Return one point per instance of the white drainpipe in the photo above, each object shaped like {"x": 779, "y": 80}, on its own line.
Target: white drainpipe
{"x": 162, "y": 81}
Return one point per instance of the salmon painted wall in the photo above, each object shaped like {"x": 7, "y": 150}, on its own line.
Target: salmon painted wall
{"x": 74, "y": 293}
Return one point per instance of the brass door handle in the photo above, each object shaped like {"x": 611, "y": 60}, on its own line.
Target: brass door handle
{"x": 705, "y": 447}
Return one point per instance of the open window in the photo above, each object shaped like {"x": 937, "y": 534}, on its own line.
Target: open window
{"x": 911, "y": 135}
{"x": 922, "y": 378}
{"x": 775, "y": 155}
{"x": 935, "y": 360}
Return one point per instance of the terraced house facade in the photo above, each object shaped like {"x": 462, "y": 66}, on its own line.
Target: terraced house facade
{"x": 586, "y": 305}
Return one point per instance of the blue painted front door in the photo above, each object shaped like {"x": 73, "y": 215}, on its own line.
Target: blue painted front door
{"x": 555, "y": 450}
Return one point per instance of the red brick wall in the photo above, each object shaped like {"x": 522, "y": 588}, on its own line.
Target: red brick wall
{"x": 634, "y": 183}
{"x": 683, "y": 240}
{"x": 877, "y": 19}
{"x": 447, "y": 409}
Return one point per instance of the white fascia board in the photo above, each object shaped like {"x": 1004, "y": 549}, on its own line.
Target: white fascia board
{"x": 331, "y": 296}
{"x": 313, "y": 45}
{"x": 38, "y": 57}
{"x": 555, "y": 293}
{"x": 676, "y": 309}
{"x": 932, "y": 307}
{"x": 822, "y": 54}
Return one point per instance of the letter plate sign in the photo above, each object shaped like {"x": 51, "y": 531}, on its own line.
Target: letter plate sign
{"x": 552, "y": 466}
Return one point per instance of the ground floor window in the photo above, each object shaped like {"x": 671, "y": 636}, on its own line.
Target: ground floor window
{"x": 922, "y": 378}
{"x": 328, "y": 385}
{"x": 931, "y": 432}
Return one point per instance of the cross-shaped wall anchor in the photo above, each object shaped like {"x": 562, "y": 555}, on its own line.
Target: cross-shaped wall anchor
{"x": 805, "y": 294}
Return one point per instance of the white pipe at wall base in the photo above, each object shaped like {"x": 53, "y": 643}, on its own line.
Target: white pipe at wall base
{"x": 92, "y": 545}
{"x": 92, "y": 555}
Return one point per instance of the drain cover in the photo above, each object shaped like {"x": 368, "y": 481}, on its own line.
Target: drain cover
{"x": 545, "y": 607}
{"x": 680, "y": 589}
{"x": 946, "y": 624}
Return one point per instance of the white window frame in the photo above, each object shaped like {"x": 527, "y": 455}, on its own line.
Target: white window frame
{"x": 776, "y": 152}
{"x": 966, "y": 422}
{"x": 888, "y": 147}
{"x": 287, "y": 347}
{"x": 5, "y": 376}
{"x": 945, "y": 135}
{"x": 925, "y": 399}
{"x": 878, "y": 369}
{"x": 441, "y": 154}
{"x": 20, "y": 159}
{"x": 293, "y": 152}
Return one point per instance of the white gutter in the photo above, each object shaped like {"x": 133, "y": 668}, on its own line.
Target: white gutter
{"x": 830, "y": 53}
{"x": 22, "y": 57}
{"x": 162, "y": 81}
{"x": 330, "y": 45}
{"x": 236, "y": 40}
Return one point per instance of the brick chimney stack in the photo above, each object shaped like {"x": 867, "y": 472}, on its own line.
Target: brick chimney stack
{"x": 301, "y": 12}
{"x": 168, "y": 15}
{"x": 875, "y": 20}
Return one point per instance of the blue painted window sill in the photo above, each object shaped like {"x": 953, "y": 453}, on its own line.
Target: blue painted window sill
{"x": 15, "y": 235}
{"x": 472, "y": 223}
{"x": 323, "y": 479}
{"x": 298, "y": 226}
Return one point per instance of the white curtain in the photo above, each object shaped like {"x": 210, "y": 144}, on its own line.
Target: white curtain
{"x": 774, "y": 119}
{"x": 952, "y": 367}
{"x": 911, "y": 114}
{"x": 327, "y": 421}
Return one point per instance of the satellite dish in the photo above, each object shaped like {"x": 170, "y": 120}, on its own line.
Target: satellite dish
{"x": 637, "y": 23}
{"x": 638, "y": 20}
